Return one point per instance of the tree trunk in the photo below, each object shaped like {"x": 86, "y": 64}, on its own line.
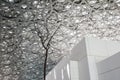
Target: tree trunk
{"x": 45, "y": 64}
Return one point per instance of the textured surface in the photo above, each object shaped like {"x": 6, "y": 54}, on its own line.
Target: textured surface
{"x": 21, "y": 53}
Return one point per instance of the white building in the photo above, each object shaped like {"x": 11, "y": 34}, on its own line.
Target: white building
{"x": 91, "y": 59}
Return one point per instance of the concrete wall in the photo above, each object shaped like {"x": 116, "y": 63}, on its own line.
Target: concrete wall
{"x": 109, "y": 69}
{"x": 101, "y": 49}
{"x": 88, "y": 61}
{"x": 85, "y": 68}
{"x": 61, "y": 71}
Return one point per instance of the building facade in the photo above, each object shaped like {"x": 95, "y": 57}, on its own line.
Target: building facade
{"x": 91, "y": 59}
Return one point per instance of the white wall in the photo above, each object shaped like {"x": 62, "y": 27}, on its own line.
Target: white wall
{"x": 89, "y": 61}
{"x": 74, "y": 70}
{"x": 101, "y": 49}
{"x": 109, "y": 69}
{"x": 84, "y": 69}
{"x": 79, "y": 51}
{"x": 61, "y": 71}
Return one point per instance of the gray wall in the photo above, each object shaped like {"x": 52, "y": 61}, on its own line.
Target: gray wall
{"x": 109, "y": 69}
